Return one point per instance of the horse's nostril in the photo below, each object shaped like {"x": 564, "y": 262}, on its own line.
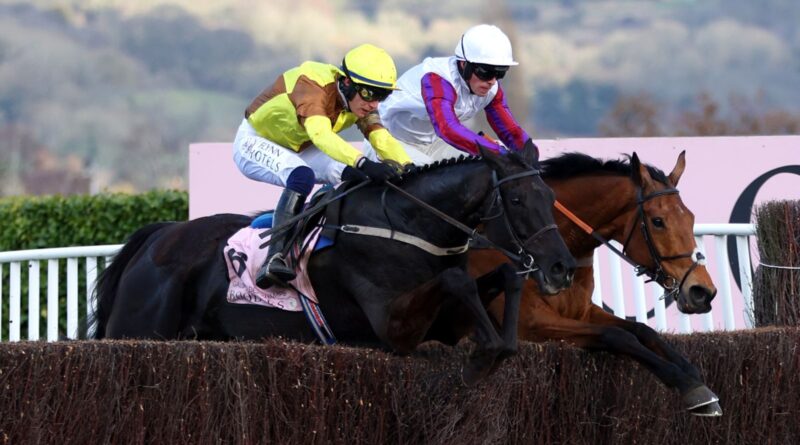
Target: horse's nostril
{"x": 700, "y": 295}
{"x": 558, "y": 270}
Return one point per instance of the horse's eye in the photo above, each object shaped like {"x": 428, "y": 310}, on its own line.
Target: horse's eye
{"x": 516, "y": 201}
{"x": 658, "y": 222}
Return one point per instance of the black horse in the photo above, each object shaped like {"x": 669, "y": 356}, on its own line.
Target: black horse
{"x": 169, "y": 281}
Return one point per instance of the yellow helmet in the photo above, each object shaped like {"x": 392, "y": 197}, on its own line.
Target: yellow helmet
{"x": 369, "y": 65}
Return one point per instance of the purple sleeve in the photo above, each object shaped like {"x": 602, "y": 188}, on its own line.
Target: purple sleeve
{"x": 503, "y": 123}
{"x": 440, "y": 97}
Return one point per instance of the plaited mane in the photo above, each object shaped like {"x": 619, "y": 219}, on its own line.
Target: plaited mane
{"x": 463, "y": 159}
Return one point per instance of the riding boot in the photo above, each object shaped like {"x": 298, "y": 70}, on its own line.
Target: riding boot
{"x": 275, "y": 269}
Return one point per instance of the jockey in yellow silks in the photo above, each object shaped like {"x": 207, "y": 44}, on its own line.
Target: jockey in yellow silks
{"x": 289, "y": 136}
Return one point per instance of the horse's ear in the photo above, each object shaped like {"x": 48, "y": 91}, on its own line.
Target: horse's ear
{"x": 495, "y": 160}
{"x": 530, "y": 153}
{"x": 639, "y": 173}
{"x": 675, "y": 176}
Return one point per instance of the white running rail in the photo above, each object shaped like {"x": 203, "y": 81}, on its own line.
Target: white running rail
{"x": 32, "y": 259}
{"x": 614, "y": 278}
{"x": 733, "y": 307}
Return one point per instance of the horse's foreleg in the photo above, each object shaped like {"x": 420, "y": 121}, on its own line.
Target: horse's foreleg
{"x": 620, "y": 341}
{"x": 504, "y": 279}
{"x": 613, "y": 339}
{"x": 698, "y": 398}
{"x": 454, "y": 321}
{"x": 404, "y": 322}
{"x": 647, "y": 336}
{"x": 489, "y": 343}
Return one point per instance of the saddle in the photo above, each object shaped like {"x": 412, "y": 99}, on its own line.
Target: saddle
{"x": 299, "y": 231}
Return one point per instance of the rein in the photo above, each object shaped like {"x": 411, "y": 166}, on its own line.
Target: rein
{"x": 669, "y": 283}
{"x": 521, "y": 257}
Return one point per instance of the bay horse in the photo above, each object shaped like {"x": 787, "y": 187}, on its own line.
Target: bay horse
{"x": 638, "y": 206}
{"x": 169, "y": 281}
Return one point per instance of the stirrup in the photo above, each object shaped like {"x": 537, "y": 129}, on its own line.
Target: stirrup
{"x": 274, "y": 272}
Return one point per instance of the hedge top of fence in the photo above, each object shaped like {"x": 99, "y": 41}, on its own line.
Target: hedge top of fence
{"x": 288, "y": 393}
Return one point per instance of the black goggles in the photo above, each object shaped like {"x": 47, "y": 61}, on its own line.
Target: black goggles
{"x": 371, "y": 94}
{"x": 489, "y": 72}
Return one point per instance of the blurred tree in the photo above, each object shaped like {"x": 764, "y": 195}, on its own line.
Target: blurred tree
{"x": 640, "y": 115}
{"x": 632, "y": 116}
{"x": 704, "y": 121}
{"x": 171, "y": 41}
{"x": 27, "y": 167}
{"x": 574, "y": 109}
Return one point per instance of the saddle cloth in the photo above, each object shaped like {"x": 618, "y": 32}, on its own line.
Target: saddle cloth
{"x": 244, "y": 257}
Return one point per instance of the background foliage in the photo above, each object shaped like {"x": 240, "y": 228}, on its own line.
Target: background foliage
{"x": 82, "y": 220}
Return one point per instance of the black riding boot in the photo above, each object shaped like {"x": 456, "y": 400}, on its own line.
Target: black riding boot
{"x": 275, "y": 270}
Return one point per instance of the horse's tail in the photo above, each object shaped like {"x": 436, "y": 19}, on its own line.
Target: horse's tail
{"x": 108, "y": 280}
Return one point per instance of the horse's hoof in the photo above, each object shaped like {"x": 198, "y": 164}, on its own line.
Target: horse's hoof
{"x": 710, "y": 410}
{"x": 471, "y": 376}
{"x": 472, "y": 372}
{"x": 698, "y": 397}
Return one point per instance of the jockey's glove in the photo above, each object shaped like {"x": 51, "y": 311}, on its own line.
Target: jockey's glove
{"x": 351, "y": 174}
{"x": 377, "y": 171}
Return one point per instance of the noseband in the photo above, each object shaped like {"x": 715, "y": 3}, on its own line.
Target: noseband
{"x": 668, "y": 282}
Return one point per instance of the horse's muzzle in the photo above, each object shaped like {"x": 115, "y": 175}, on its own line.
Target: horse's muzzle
{"x": 696, "y": 301}
{"x": 557, "y": 277}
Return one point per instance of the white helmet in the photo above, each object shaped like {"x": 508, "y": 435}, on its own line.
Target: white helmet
{"x": 485, "y": 44}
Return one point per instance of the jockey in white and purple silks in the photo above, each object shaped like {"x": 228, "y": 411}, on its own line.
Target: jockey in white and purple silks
{"x": 436, "y": 96}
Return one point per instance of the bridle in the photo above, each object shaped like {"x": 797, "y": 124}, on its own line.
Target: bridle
{"x": 522, "y": 257}
{"x": 671, "y": 285}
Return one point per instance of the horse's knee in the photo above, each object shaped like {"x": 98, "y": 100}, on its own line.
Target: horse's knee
{"x": 612, "y": 336}
{"x": 644, "y": 332}
{"x": 457, "y": 282}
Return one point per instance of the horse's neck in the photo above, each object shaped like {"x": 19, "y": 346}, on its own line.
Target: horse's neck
{"x": 605, "y": 203}
{"x": 458, "y": 190}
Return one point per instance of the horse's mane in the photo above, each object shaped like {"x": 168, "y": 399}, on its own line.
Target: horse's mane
{"x": 569, "y": 165}
{"x": 417, "y": 170}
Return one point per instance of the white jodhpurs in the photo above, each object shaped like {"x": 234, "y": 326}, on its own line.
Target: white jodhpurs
{"x": 263, "y": 160}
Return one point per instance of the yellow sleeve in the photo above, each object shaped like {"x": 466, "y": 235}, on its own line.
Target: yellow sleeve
{"x": 321, "y": 133}
{"x": 388, "y": 147}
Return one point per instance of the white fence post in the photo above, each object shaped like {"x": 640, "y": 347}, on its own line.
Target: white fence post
{"x": 33, "y": 300}
{"x": 14, "y": 302}
{"x": 52, "y": 300}
{"x": 746, "y": 278}
{"x": 72, "y": 298}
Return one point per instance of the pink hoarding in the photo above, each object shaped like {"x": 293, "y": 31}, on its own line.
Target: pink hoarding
{"x": 723, "y": 174}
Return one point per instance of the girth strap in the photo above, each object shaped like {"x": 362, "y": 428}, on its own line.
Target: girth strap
{"x": 401, "y": 237}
